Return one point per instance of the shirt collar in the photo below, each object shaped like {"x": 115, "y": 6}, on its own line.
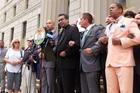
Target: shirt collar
{"x": 119, "y": 18}
{"x": 53, "y": 31}
{"x": 89, "y": 27}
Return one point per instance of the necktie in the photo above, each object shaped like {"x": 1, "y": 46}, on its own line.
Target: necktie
{"x": 83, "y": 38}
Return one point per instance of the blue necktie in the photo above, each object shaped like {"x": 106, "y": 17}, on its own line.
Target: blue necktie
{"x": 83, "y": 38}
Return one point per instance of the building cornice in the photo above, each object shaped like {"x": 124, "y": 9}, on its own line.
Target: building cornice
{"x": 18, "y": 16}
{"x": 8, "y": 3}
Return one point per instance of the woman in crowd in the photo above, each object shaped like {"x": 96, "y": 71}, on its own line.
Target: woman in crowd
{"x": 13, "y": 66}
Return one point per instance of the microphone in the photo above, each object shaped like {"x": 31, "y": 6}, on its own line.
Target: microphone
{"x": 49, "y": 35}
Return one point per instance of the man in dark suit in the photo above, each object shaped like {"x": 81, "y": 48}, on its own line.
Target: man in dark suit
{"x": 67, "y": 57}
{"x": 48, "y": 61}
{"x": 137, "y": 61}
{"x": 136, "y": 51}
{"x": 90, "y": 54}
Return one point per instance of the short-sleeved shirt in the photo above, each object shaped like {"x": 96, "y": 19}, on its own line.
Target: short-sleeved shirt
{"x": 13, "y": 55}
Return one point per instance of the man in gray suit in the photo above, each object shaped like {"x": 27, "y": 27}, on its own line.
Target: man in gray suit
{"x": 90, "y": 54}
{"x": 48, "y": 61}
{"x": 2, "y": 66}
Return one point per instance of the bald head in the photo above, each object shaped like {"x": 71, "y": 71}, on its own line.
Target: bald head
{"x": 50, "y": 25}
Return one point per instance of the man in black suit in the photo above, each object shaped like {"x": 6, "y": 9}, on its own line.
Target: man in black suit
{"x": 67, "y": 57}
{"x": 90, "y": 54}
{"x": 137, "y": 61}
{"x": 136, "y": 51}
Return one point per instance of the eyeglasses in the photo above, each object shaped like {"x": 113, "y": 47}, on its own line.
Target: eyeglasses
{"x": 61, "y": 19}
{"x": 17, "y": 42}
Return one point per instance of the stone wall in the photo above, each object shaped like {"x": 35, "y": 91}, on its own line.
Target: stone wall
{"x": 22, "y": 14}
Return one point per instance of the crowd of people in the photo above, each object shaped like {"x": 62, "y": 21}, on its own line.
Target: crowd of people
{"x": 73, "y": 61}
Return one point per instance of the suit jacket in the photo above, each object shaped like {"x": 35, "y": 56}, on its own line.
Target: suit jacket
{"x": 122, "y": 55}
{"x": 2, "y": 55}
{"x": 71, "y": 60}
{"x": 137, "y": 59}
{"x": 91, "y": 62}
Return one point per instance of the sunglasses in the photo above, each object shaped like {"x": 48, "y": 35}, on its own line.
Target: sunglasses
{"x": 16, "y": 42}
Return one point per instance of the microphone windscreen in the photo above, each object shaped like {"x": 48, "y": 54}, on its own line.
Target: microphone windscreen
{"x": 49, "y": 35}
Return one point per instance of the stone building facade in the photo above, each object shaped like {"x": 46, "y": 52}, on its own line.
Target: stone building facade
{"x": 21, "y": 18}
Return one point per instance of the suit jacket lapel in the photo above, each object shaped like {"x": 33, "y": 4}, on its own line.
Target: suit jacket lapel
{"x": 107, "y": 31}
{"x": 120, "y": 31}
{"x": 62, "y": 35}
{"x": 89, "y": 32}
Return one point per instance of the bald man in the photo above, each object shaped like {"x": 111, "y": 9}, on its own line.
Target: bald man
{"x": 48, "y": 63}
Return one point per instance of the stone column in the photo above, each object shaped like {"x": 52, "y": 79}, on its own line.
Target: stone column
{"x": 133, "y": 3}
{"x": 51, "y": 8}
{"x": 97, "y": 8}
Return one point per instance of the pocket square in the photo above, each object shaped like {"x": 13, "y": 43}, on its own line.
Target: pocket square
{"x": 122, "y": 26}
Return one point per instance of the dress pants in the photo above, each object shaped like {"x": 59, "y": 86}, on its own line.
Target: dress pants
{"x": 28, "y": 80}
{"x": 119, "y": 79}
{"x": 47, "y": 78}
{"x": 136, "y": 83}
{"x": 90, "y": 82}
{"x": 2, "y": 76}
{"x": 66, "y": 81}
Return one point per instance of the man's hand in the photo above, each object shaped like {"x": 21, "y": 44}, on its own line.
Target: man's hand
{"x": 62, "y": 54}
{"x": 71, "y": 43}
{"x": 131, "y": 35}
{"x": 19, "y": 62}
{"x": 116, "y": 41}
{"x": 31, "y": 59}
{"x": 41, "y": 55}
{"x": 88, "y": 51}
{"x": 103, "y": 39}
{"x": 38, "y": 50}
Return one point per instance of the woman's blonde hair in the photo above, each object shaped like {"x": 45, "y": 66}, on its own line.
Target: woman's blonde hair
{"x": 13, "y": 41}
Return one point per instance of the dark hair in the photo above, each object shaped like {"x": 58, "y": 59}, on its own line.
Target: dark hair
{"x": 65, "y": 15}
{"x": 119, "y": 5}
{"x": 129, "y": 14}
{"x": 88, "y": 16}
